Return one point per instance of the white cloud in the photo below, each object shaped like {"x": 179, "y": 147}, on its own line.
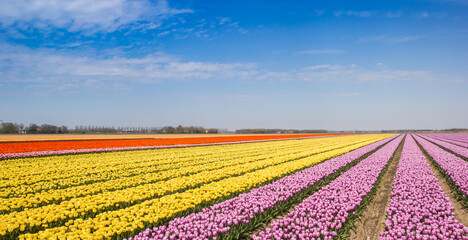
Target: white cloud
{"x": 356, "y": 74}
{"x": 355, "y": 13}
{"x": 164, "y": 33}
{"x": 84, "y": 15}
{"x": 46, "y": 70}
{"x": 389, "y": 39}
{"x": 394, "y": 14}
{"x": 321, "y": 51}
{"x": 316, "y": 67}
{"x": 380, "y": 65}
{"x": 318, "y": 13}
{"x": 55, "y": 70}
{"x": 353, "y": 94}
{"x": 224, "y": 20}
{"x": 203, "y": 28}
{"x": 425, "y": 14}
{"x": 422, "y": 15}
{"x": 458, "y": 2}
{"x": 14, "y": 33}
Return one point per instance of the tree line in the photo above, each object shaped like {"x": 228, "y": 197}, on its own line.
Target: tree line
{"x": 156, "y": 130}
{"x": 275, "y": 130}
{"x": 11, "y": 128}
{"x": 32, "y": 128}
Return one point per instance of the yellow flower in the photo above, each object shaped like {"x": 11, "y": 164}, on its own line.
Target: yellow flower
{"x": 86, "y": 185}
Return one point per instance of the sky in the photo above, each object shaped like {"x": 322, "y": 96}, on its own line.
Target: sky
{"x": 335, "y": 65}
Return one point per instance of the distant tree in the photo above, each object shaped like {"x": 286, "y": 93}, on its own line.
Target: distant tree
{"x": 180, "y": 129}
{"x": 52, "y": 129}
{"x": 47, "y": 128}
{"x": 33, "y": 128}
{"x": 63, "y": 129}
{"x": 212, "y": 130}
{"x": 9, "y": 127}
{"x": 170, "y": 129}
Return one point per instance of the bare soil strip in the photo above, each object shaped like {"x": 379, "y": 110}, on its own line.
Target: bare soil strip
{"x": 461, "y": 213}
{"x": 373, "y": 218}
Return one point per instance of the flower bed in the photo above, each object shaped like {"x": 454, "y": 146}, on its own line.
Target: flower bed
{"x": 453, "y": 166}
{"x": 330, "y": 212}
{"x": 225, "y": 216}
{"x": 419, "y": 208}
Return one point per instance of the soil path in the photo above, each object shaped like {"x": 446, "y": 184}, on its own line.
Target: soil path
{"x": 373, "y": 218}
{"x": 461, "y": 213}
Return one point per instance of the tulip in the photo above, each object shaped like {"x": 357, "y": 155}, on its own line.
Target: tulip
{"x": 415, "y": 190}
{"x": 246, "y": 206}
{"x": 455, "y": 167}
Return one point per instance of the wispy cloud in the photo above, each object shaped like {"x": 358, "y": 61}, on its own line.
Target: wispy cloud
{"x": 224, "y": 20}
{"x": 88, "y": 16}
{"x": 321, "y": 51}
{"x": 353, "y": 94}
{"x": 421, "y": 15}
{"x": 355, "y": 13}
{"x": 389, "y": 14}
{"x": 457, "y": 2}
{"x": 14, "y": 33}
{"x": 205, "y": 28}
{"x": 164, "y": 33}
{"x": 389, "y": 39}
{"x": 46, "y": 70}
{"x": 302, "y": 96}
{"x": 394, "y": 14}
{"x": 54, "y": 70}
{"x": 317, "y": 12}
{"x": 426, "y": 14}
{"x": 355, "y": 74}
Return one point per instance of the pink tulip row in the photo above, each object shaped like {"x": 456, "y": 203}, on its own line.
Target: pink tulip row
{"x": 115, "y": 149}
{"x": 419, "y": 208}
{"x": 220, "y": 218}
{"x": 462, "y": 151}
{"x": 458, "y": 137}
{"x": 322, "y": 215}
{"x": 448, "y": 139}
{"x": 453, "y": 166}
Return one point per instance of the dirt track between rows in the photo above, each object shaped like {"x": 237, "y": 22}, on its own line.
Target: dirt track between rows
{"x": 373, "y": 218}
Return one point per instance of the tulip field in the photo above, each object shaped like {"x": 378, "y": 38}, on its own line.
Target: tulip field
{"x": 236, "y": 187}
{"x": 11, "y": 149}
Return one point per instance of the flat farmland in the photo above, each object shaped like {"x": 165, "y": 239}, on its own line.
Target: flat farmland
{"x": 42, "y": 137}
{"x": 303, "y": 188}
{"x": 29, "y": 148}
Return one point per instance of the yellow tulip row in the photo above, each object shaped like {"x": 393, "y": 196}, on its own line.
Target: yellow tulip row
{"x": 129, "y": 169}
{"x": 277, "y": 152}
{"x": 105, "y": 200}
{"x": 61, "y": 164}
{"x": 149, "y": 176}
{"x": 157, "y": 162}
{"x": 107, "y": 171}
{"x": 26, "y": 171}
{"x": 111, "y": 223}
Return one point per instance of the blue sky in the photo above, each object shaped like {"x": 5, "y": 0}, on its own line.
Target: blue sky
{"x": 337, "y": 65}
